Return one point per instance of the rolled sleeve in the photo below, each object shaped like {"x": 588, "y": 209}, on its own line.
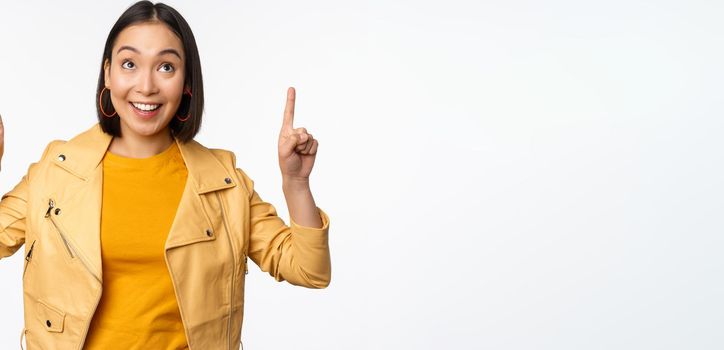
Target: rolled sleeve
{"x": 295, "y": 253}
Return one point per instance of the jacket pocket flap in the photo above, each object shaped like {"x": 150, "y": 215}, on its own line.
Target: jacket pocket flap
{"x": 51, "y": 317}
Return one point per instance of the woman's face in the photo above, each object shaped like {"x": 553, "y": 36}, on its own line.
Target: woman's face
{"x": 146, "y": 78}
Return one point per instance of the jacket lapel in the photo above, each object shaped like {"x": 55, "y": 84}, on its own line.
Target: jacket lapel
{"x": 81, "y": 208}
{"x": 193, "y": 221}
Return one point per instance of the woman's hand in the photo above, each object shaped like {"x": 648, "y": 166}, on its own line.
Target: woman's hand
{"x": 297, "y": 148}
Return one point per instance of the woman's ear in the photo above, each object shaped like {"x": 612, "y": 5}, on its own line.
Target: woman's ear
{"x": 107, "y": 73}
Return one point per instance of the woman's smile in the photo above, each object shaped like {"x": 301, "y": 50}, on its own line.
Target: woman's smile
{"x": 146, "y": 110}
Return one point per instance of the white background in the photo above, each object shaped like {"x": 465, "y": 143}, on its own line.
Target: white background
{"x": 499, "y": 174}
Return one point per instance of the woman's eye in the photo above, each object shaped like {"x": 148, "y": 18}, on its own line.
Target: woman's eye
{"x": 166, "y": 67}
{"x": 126, "y": 64}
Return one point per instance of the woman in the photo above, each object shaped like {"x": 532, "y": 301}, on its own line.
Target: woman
{"x": 136, "y": 235}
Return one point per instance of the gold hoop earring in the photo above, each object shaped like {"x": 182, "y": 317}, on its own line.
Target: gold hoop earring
{"x": 188, "y": 115}
{"x": 100, "y": 104}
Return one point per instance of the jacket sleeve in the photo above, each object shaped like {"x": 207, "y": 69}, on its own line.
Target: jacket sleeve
{"x": 13, "y": 208}
{"x": 12, "y": 218}
{"x": 297, "y": 254}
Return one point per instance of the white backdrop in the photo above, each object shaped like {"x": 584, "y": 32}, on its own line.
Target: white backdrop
{"x": 499, "y": 174}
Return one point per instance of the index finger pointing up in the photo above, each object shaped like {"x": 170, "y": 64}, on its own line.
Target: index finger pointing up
{"x": 289, "y": 109}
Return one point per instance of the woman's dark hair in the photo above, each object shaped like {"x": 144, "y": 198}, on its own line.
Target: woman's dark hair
{"x": 144, "y": 12}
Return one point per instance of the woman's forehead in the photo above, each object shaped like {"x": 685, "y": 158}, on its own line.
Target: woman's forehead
{"x": 148, "y": 39}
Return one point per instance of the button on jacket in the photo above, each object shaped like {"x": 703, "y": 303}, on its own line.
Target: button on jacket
{"x": 220, "y": 221}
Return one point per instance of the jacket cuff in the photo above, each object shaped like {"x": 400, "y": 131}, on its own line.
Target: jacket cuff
{"x": 312, "y": 231}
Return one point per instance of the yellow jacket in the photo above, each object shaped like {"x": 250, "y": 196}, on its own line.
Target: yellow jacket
{"x": 55, "y": 210}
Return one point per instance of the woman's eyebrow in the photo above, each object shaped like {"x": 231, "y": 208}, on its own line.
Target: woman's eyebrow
{"x": 160, "y": 53}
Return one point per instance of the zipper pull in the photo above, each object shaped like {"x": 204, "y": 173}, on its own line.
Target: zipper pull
{"x": 246, "y": 266}
{"x": 30, "y": 252}
{"x": 51, "y": 205}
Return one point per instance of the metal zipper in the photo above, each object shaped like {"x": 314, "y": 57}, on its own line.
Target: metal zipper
{"x": 233, "y": 266}
{"x": 28, "y": 257}
{"x": 69, "y": 248}
{"x": 51, "y": 205}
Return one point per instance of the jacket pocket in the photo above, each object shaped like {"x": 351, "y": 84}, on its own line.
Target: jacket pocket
{"x": 51, "y": 318}
{"x": 28, "y": 257}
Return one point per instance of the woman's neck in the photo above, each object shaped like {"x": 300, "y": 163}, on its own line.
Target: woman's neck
{"x": 138, "y": 146}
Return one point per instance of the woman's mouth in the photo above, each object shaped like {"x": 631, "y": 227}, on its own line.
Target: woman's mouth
{"x": 145, "y": 110}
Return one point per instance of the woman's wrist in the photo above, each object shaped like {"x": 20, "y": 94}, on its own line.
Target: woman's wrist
{"x": 300, "y": 202}
{"x": 292, "y": 184}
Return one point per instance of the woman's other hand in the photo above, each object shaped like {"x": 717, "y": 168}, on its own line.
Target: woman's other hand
{"x": 297, "y": 147}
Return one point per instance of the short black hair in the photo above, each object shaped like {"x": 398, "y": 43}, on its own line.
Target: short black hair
{"x": 145, "y": 12}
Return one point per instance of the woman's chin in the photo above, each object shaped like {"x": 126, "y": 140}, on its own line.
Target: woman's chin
{"x": 144, "y": 127}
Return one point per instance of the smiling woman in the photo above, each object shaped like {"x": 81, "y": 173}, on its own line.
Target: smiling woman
{"x": 145, "y": 85}
{"x": 150, "y": 68}
{"x": 147, "y": 231}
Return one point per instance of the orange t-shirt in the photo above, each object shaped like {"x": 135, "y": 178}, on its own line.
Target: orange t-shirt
{"x": 138, "y": 308}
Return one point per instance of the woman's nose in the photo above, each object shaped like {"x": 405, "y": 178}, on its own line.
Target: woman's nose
{"x": 146, "y": 84}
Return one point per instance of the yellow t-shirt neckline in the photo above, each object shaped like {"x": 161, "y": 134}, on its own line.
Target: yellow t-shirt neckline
{"x": 157, "y": 160}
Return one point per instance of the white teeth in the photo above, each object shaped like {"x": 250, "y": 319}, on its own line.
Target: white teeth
{"x": 145, "y": 107}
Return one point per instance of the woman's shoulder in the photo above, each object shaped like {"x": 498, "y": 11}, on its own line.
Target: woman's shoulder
{"x": 224, "y": 155}
{"x": 196, "y": 148}
{"x": 51, "y": 147}
{"x": 228, "y": 159}
{"x": 92, "y": 137}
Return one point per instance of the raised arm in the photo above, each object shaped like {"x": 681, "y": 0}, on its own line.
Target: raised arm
{"x": 298, "y": 253}
{"x": 297, "y": 152}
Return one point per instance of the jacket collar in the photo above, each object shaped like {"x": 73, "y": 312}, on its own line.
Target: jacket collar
{"x": 82, "y": 154}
